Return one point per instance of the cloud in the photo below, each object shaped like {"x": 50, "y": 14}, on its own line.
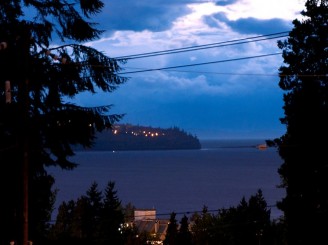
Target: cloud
{"x": 155, "y": 15}
{"x": 225, "y": 2}
{"x": 217, "y": 78}
{"x": 252, "y": 25}
{"x": 249, "y": 25}
{"x": 263, "y": 9}
{"x": 223, "y": 99}
{"x": 228, "y": 99}
{"x": 252, "y": 114}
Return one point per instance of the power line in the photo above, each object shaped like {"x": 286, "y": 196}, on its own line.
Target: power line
{"x": 192, "y": 212}
{"x": 198, "y": 47}
{"x": 206, "y": 46}
{"x": 239, "y": 74}
{"x": 224, "y": 73}
{"x": 171, "y": 69}
{"x": 208, "y": 211}
{"x": 187, "y": 49}
{"x": 199, "y": 64}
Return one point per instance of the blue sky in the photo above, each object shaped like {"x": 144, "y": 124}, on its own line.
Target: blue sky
{"x": 236, "y": 99}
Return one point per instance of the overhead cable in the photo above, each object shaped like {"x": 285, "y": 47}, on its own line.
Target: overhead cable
{"x": 205, "y": 46}
{"x": 199, "y": 64}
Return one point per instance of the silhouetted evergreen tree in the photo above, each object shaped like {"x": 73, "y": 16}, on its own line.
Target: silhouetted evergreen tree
{"x": 112, "y": 218}
{"x": 128, "y": 210}
{"x": 184, "y": 236}
{"x": 62, "y": 229}
{"x": 95, "y": 206}
{"x": 37, "y": 124}
{"x": 172, "y": 231}
{"x": 247, "y": 223}
{"x": 81, "y": 219}
{"x": 43, "y": 196}
{"x": 304, "y": 146}
{"x": 202, "y": 227}
{"x": 93, "y": 219}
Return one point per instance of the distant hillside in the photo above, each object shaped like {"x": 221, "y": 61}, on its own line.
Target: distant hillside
{"x": 130, "y": 137}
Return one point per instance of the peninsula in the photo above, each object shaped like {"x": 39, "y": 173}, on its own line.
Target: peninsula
{"x": 134, "y": 137}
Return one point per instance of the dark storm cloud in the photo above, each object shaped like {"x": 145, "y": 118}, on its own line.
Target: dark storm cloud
{"x": 225, "y": 2}
{"x": 250, "y": 25}
{"x": 256, "y": 26}
{"x": 155, "y": 15}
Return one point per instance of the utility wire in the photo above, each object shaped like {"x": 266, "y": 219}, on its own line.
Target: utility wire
{"x": 192, "y": 48}
{"x": 239, "y": 74}
{"x": 206, "y": 46}
{"x": 190, "y": 212}
{"x": 199, "y": 64}
{"x": 209, "y": 211}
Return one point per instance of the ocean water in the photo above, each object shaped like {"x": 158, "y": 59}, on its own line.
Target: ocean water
{"x": 184, "y": 181}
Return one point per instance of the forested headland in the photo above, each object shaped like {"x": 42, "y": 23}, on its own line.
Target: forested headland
{"x": 134, "y": 137}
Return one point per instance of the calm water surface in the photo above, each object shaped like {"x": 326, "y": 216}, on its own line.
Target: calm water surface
{"x": 218, "y": 176}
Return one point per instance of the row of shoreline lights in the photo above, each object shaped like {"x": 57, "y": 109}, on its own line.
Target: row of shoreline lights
{"x": 3, "y": 46}
{"x": 143, "y": 133}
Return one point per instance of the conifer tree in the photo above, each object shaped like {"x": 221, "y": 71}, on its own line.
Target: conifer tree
{"x": 202, "y": 225}
{"x": 247, "y": 223}
{"x": 303, "y": 148}
{"x": 95, "y": 205}
{"x": 93, "y": 218}
{"x": 172, "y": 231}
{"x": 62, "y": 229}
{"x": 38, "y": 126}
{"x": 81, "y": 220}
{"x": 184, "y": 236}
{"x": 112, "y": 217}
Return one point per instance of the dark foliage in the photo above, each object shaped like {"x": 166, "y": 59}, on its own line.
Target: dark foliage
{"x": 112, "y": 218}
{"x": 172, "y": 231}
{"x": 184, "y": 236}
{"x": 95, "y": 218}
{"x": 37, "y": 125}
{"x": 248, "y": 223}
{"x": 304, "y": 146}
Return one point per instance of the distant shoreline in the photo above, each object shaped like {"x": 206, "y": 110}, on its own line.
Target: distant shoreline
{"x": 127, "y": 137}
{"x": 202, "y": 144}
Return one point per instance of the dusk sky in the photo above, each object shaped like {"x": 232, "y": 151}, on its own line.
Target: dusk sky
{"x": 222, "y": 100}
